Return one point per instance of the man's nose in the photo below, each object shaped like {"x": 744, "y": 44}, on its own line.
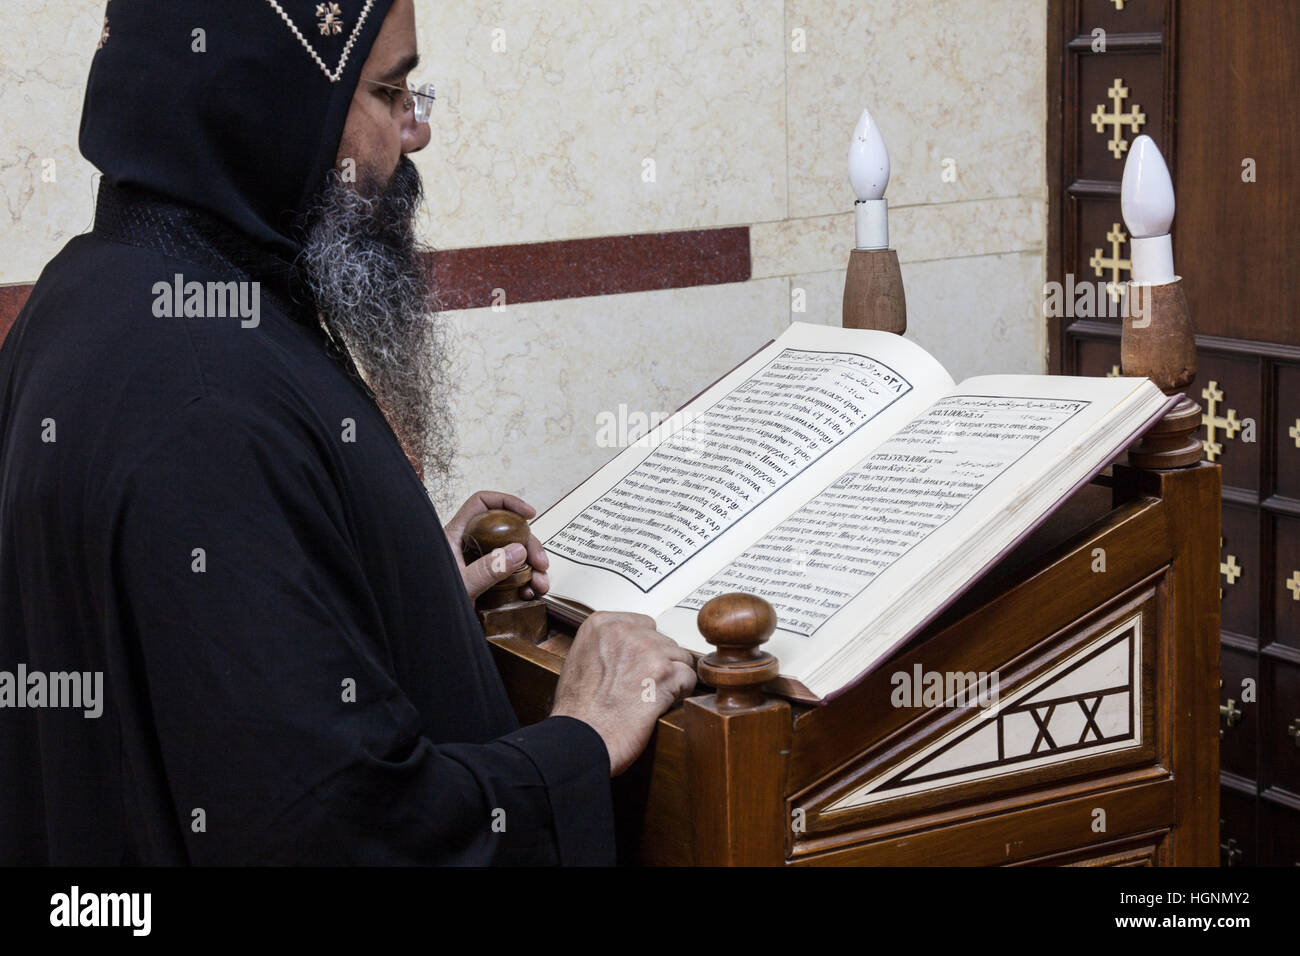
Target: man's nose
{"x": 415, "y": 136}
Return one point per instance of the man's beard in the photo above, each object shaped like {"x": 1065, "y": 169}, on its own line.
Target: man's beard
{"x": 363, "y": 265}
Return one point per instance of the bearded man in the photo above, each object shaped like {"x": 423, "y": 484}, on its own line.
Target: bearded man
{"x": 213, "y": 507}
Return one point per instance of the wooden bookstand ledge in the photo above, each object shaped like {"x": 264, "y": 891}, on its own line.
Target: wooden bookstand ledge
{"x": 1102, "y": 745}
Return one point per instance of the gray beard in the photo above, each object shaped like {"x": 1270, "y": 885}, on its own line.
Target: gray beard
{"x": 361, "y": 261}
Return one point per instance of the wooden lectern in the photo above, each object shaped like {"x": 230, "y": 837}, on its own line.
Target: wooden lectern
{"x": 1102, "y": 749}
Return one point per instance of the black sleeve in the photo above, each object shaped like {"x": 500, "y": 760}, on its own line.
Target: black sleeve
{"x": 249, "y": 647}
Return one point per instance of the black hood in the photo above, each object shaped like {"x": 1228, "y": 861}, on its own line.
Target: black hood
{"x": 245, "y": 130}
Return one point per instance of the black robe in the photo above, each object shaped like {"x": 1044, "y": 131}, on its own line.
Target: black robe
{"x": 216, "y": 517}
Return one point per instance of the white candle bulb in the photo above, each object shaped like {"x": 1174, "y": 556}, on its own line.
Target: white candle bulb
{"x": 1147, "y": 203}
{"x": 869, "y": 175}
{"x": 868, "y": 159}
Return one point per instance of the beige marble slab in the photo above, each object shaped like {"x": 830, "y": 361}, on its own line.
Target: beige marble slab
{"x": 959, "y": 80}
{"x": 550, "y": 116}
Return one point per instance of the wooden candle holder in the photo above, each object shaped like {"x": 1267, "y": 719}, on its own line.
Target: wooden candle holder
{"x": 873, "y": 292}
{"x": 1157, "y": 341}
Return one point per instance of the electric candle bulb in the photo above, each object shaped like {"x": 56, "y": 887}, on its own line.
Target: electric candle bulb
{"x": 1147, "y": 203}
{"x": 868, "y": 160}
{"x": 869, "y": 175}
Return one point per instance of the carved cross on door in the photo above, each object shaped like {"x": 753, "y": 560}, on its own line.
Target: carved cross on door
{"x": 1229, "y": 569}
{"x": 1134, "y": 118}
{"x": 1098, "y": 263}
{"x": 1230, "y": 425}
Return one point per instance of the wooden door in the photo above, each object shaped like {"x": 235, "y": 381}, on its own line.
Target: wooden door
{"x": 1213, "y": 83}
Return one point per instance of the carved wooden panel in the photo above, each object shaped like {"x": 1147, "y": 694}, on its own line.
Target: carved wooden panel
{"x": 1285, "y": 583}
{"x": 1120, "y": 95}
{"x": 1123, "y": 16}
{"x": 1239, "y": 572}
{"x": 1238, "y": 720}
{"x": 1279, "y": 837}
{"x": 1229, "y": 390}
{"x": 1096, "y": 356}
{"x": 1145, "y": 850}
{"x": 1237, "y": 827}
{"x": 1084, "y": 704}
{"x": 1280, "y": 757}
{"x": 1237, "y": 76}
{"x": 1286, "y": 432}
{"x": 1089, "y": 702}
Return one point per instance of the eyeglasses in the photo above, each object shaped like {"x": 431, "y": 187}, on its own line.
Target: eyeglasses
{"x": 423, "y": 96}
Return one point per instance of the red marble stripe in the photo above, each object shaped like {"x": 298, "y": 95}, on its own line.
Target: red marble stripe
{"x": 565, "y": 269}
{"x": 12, "y": 300}
{"x": 607, "y": 265}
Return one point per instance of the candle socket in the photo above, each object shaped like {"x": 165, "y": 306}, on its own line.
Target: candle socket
{"x": 1157, "y": 341}
{"x": 871, "y": 224}
{"x": 873, "y": 292}
{"x": 1152, "y": 260}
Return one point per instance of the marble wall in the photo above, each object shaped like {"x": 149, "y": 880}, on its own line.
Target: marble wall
{"x": 575, "y": 119}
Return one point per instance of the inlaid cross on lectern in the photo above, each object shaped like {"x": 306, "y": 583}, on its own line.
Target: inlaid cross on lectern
{"x": 1293, "y": 585}
{"x": 1294, "y": 432}
{"x": 1099, "y": 262}
{"x": 1230, "y": 425}
{"x": 1134, "y": 118}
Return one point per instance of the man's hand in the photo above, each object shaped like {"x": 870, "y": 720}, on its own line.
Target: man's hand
{"x": 503, "y": 562}
{"x": 619, "y": 676}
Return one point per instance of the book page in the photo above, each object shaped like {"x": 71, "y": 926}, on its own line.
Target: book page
{"x": 888, "y": 527}
{"x": 665, "y": 514}
{"x": 821, "y": 557}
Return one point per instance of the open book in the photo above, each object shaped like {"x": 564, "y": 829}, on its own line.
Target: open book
{"x": 843, "y": 476}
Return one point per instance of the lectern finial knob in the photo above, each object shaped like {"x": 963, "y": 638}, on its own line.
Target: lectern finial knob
{"x": 485, "y": 533}
{"x": 736, "y": 624}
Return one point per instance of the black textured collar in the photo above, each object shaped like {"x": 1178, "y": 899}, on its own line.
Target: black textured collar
{"x": 138, "y": 217}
